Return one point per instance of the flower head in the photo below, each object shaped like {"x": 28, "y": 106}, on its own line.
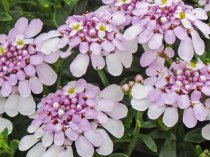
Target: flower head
{"x": 23, "y": 68}
{"x": 168, "y": 20}
{"x": 180, "y": 87}
{"x": 96, "y": 37}
{"x": 62, "y": 120}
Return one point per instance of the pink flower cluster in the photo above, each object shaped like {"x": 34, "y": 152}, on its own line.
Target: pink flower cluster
{"x": 185, "y": 86}
{"x": 168, "y": 20}
{"x": 23, "y": 68}
{"x": 96, "y": 37}
{"x": 78, "y": 113}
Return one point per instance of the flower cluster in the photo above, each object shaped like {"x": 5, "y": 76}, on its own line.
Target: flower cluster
{"x": 78, "y": 113}
{"x": 167, "y": 20}
{"x": 23, "y": 68}
{"x": 96, "y": 37}
{"x": 184, "y": 86}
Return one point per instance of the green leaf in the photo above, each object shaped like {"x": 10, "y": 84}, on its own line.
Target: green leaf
{"x": 59, "y": 16}
{"x": 14, "y": 144}
{"x": 5, "y": 16}
{"x": 118, "y": 155}
{"x": 4, "y": 134}
{"x": 81, "y": 7}
{"x": 149, "y": 124}
{"x": 69, "y": 2}
{"x": 194, "y": 136}
{"x": 149, "y": 142}
{"x": 168, "y": 149}
{"x": 158, "y": 134}
{"x": 44, "y": 3}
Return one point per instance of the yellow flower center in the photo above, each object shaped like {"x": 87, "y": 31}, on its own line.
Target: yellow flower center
{"x": 71, "y": 90}
{"x": 2, "y": 50}
{"x": 164, "y": 1}
{"x": 192, "y": 64}
{"x": 123, "y": 1}
{"x": 102, "y": 28}
{"x": 76, "y": 26}
{"x": 182, "y": 15}
{"x": 20, "y": 42}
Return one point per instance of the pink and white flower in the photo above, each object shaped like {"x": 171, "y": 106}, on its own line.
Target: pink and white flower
{"x": 64, "y": 120}
{"x": 182, "y": 87}
{"x": 23, "y": 68}
{"x": 98, "y": 40}
{"x": 158, "y": 23}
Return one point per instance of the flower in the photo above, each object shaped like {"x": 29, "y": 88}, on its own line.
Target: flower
{"x": 166, "y": 21}
{"x": 180, "y": 87}
{"x": 96, "y": 37}
{"x": 23, "y": 68}
{"x": 63, "y": 120}
{"x": 205, "y": 3}
{"x": 156, "y": 57}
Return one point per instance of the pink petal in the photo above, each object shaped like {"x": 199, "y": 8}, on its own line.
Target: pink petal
{"x": 200, "y": 111}
{"x": 145, "y": 36}
{"x": 72, "y": 135}
{"x": 198, "y": 43}
{"x": 183, "y": 101}
{"x": 147, "y": 58}
{"x": 95, "y": 48}
{"x": 98, "y": 61}
{"x": 108, "y": 46}
{"x": 156, "y": 41}
{"x": 52, "y": 58}
{"x": 189, "y": 118}
{"x": 6, "y": 89}
{"x": 36, "y": 59}
{"x": 132, "y": 32}
{"x": 83, "y": 47}
{"x": 21, "y": 25}
{"x": 94, "y": 137}
{"x": 24, "y": 88}
{"x": 59, "y": 138}
{"x": 155, "y": 111}
{"x": 84, "y": 147}
{"x": 84, "y": 124}
{"x": 170, "y": 37}
{"x": 80, "y": 64}
{"x": 46, "y": 74}
{"x": 180, "y": 32}
{"x": 36, "y": 85}
{"x": 34, "y": 28}
{"x": 186, "y": 50}
{"x": 170, "y": 116}
{"x": 206, "y": 90}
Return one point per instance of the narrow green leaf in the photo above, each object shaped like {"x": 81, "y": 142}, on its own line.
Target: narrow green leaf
{"x": 44, "y": 3}
{"x": 118, "y": 155}
{"x": 149, "y": 142}
{"x": 158, "y": 134}
{"x": 5, "y": 16}
{"x": 194, "y": 136}
{"x": 69, "y": 2}
{"x": 168, "y": 149}
{"x": 149, "y": 124}
{"x": 14, "y": 144}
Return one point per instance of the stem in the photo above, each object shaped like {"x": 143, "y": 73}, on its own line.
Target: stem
{"x": 134, "y": 140}
{"x": 103, "y": 77}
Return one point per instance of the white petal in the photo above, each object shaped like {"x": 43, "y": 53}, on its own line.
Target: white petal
{"x": 198, "y": 43}
{"x": 27, "y": 142}
{"x": 27, "y": 105}
{"x": 37, "y": 150}
{"x": 155, "y": 111}
{"x": 140, "y": 104}
{"x": 5, "y": 124}
{"x": 94, "y": 137}
{"x": 68, "y": 152}
{"x": 112, "y": 92}
{"x": 140, "y": 91}
{"x": 115, "y": 127}
{"x": 84, "y": 147}
{"x": 50, "y": 46}
{"x": 170, "y": 116}
{"x": 156, "y": 41}
{"x": 107, "y": 147}
{"x": 52, "y": 151}
{"x": 206, "y": 132}
{"x": 125, "y": 57}
{"x": 114, "y": 65}
{"x": 80, "y": 64}
{"x": 132, "y": 32}
{"x": 11, "y": 106}
{"x": 186, "y": 50}
{"x": 119, "y": 111}
{"x": 98, "y": 61}
{"x": 47, "y": 139}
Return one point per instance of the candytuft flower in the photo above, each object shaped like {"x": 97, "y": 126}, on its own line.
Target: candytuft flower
{"x": 78, "y": 114}
{"x": 182, "y": 87}
{"x": 205, "y": 3}
{"x": 166, "y": 21}
{"x": 96, "y": 38}
{"x": 23, "y": 68}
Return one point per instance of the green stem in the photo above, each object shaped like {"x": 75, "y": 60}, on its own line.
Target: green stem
{"x": 134, "y": 140}
{"x": 103, "y": 77}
